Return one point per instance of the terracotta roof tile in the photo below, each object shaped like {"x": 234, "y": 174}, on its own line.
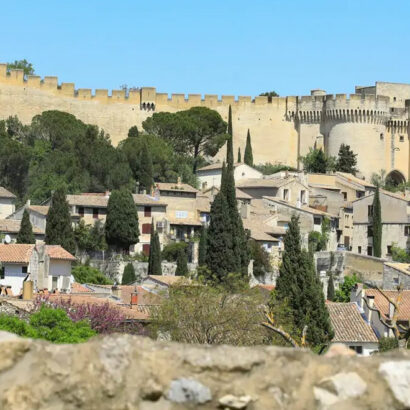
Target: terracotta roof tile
{"x": 218, "y": 165}
{"x": 382, "y": 304}
{"x": 15, "y": 253}
{"x": 13, "y": 226}
{"x": 173, "y": 186}
{"x": 78, "y": 288}
{"x": 58, "y": 252}
{"x": 348, "y": 324}
{"x": 166, "y": 280}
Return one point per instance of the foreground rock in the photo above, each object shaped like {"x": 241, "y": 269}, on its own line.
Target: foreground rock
{"x": 127, "y": 372}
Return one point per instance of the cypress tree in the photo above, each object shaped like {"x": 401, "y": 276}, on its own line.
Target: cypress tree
{"x": 239, "y": 155}
{"x": 58, "y": 228}
{"x": 248, "y": 157}
{"x": 377, "y": 225}
{"x": 301, "y": 288}
{"x": 220, "y": 258}
{"x": 128, "y": 277}
{"x": 229, "y": 143}
{"x": 25, "y": 234}
{"x": 330, "y": 288}
{"x": 146, "y": 179}
{"x": 154, "y": 260}
{"x": 121, "y": 226}
{"x": 182, "y": 264}
{"x": 202, "y": 247}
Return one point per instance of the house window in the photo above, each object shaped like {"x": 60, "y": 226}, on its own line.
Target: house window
{"x": 388, "y": 249}
{"x": 95, "y": 213}
{"x": 370, "y": 231}
{"x": 147, "y": 211}
{"x": 303, "y": 196}
{"x": 359, "y": 249}
{"x": 357, "y": 349}
{"x": 146, "y": 228}
{"x": 407, "y": 230}
{"x": 381, "y": 136}
{"x": 54, "y": 283}
{"x": 369, "y": 250}
{"x": 2, "y": 269}
{"x": 359, "y": 194}
{"x": 81, "y": 211}
{"x": 286, "y": 194}
{"x": 317, "y": 220}
{"x": 401, "y": 138}
{"x": 370, "y": 210}
{"x": 24, "y": 269}
{"x": 181, "y": 214}
{"x": 344, "y": 196}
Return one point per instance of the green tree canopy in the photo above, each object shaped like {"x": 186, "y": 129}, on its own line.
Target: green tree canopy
{"x": 121, "y": 226}
{"x": 261, "y": 262}
{"x": 88, "y": 274}
{"x": 25, "y": 234}
{"x": 346, "y": 160}
{"x": 154, "y": 261}
{"x": 317, "y": 162}
{"x": 133, "y": 132}
{"x": 24, "y": 65}
{"x": 343, "y": 293}
{"x": 197, "y": 131}
{"x": 128, "y": 276}
{"x": 182, "y": 264}
{"x": 146, "y": 180}
{"x": 330, "y": 288}
{"x": 58, "y": 228}
{"x": 248, "y": 158}
{"x": 269, "y": 94}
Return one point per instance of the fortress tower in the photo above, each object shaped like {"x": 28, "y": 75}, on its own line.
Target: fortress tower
{"x": 374, "y": 121}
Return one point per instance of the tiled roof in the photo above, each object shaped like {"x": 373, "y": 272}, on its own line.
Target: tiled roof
{"x": 40, "y": 209}
{"x": 203, "y": 203}
{"x": 141, "y": 199}
{"x": 348, "y": 324}
{"x": 242, "y": 195}
{"x": 352, "y": 178}
{"x": 97, "y": 200}
{"x": 4, "y": 193}
{"x": 402, "y": 267}
{"x": 382, "y": 304}
{"x": 15, "y": 253}
{"x": 174, "y": 186}
{"x": 13, "y": 226}
{"x": 184, "y": 221}
{"x": 58, "y": 252}
{"x": 217, "y": 165}
{"x": 166, "y": 280}
{"x": 263, "y": 183}
{"x": 78, "y": 288}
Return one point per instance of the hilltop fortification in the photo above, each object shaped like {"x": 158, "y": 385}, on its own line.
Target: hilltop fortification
{"x": 374, "y": 121}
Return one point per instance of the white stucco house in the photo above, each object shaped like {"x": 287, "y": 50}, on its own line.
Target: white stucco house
{"x": 211, "y": 175}
{"x": 351, "y": 329}
{"x": 48, "y": 266}
{"x": 7, "y": 203}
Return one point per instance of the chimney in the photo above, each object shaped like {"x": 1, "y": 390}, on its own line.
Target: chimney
{"x": 179, "y": 182}
{"x": 391, "y": 310}
{"x": 370, "y": 302}
{"x": 245, "y": 210}
{"x": 134, "y": 297}
{"x": 107, "y": 194}
{"x": 356, "y": 294}
{"x": 116, "y": 291}
{"x": 28, "y": 203}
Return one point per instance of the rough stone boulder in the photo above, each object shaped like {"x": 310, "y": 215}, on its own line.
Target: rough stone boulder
{"x": 129, "y": 372}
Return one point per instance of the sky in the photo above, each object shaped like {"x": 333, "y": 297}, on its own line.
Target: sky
{"x": 212, "y": 47}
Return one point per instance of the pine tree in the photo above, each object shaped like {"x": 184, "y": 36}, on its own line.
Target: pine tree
{"x": 121, "y": 226}
{"x": 346, "y": 161}
{"x": 154, "y": 260}
{"x": 220, "y": 258}
{"x": 377, "y": 225}
{"x": 25, "y": 234}
{"x": 182, "y": 264}
{"x": 248, "y": 157}
{"x": 128, "y": 277}
{"x": 58, "y": 228}
{"x": 299, "y": 286}
{"x": 202, "y": 247}
{"x": 146, "y": 169}
{"x": 330, "y": 288}
{"x": 239, "y": 156}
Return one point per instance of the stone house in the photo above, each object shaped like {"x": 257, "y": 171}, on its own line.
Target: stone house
{"x": 351, "y": 329}
{"x": 37, "y": 214}
{"x": 211, "y": 175}
{"x": 11, "y": 227}
{"x": 378, "y": 311}
{"x": 48, "y": 266}
{"x": 310, "y": 219}
{"x": 7, "y": 203}
{"x": 395, "y": 223}
{"x": 395, "y": 274}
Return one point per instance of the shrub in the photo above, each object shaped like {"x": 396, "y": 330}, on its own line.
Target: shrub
{"x": 49, "y": 324}
{"x": 172, "y": 250}
{"x": 343, "y": 293}
{"x": 87, "y": 274}
{"x": 387, "y": 343}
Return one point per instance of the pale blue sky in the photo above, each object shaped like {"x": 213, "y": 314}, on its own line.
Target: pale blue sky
{"x": 215, "y": 46}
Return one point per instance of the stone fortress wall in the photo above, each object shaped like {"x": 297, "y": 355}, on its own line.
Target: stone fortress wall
{"x": 374, "y": 121}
